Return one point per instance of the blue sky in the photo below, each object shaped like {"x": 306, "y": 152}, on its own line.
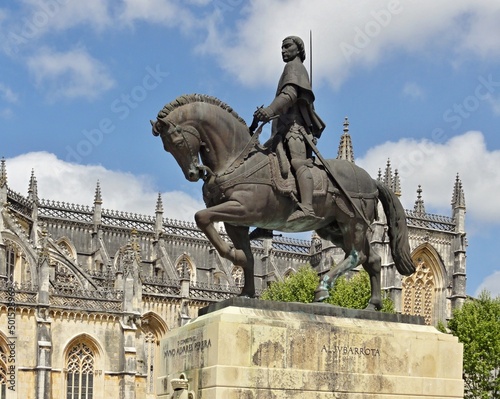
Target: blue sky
{"x": 418, "y": 80}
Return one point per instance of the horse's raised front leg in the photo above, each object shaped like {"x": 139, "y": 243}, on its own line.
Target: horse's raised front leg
{"x": 229, "y": 212}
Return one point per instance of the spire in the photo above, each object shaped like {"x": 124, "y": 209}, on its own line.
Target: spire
{"x": 390, "y": 180}
{"x": 388, "y": 174}
{"x": 33, "y": 188}
{"x": 396, "y": 184}
{"x": 159, "y": 217}
{"x": 3, "y": 173}
{"x": 159, "y": 204}
{"x": 345, "y": 147}
{"x": 97, "y": 207}
{"x": 98, "y": 196}
{"x": 458, "y": 200}
{"x": 419, "y": 203}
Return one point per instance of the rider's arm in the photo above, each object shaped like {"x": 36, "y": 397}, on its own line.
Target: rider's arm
{"x": 285, "y": 99}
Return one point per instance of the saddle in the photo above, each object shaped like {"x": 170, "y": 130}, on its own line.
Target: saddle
{"x": 285, "y": 183}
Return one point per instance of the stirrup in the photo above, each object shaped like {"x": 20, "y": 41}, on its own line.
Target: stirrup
{"x": 303, "y": 213}
{"x": 260, "y": 233}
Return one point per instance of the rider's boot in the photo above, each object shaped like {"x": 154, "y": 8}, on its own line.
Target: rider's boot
{"x": 305, "y": 185}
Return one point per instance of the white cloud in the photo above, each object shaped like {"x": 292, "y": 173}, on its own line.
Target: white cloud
{"x": 7, "y": 94}
{"x": 413, "y": 90}
{"x": 6, "y": 113}
{"x": 481, "y": 28}
{"x": 31, "y": 20}
{"x": 62, "y": 15}
{"x": 491, "y": 283}
{"x": 69, "y": 75}
{"x": 347, "y": 35}
{"x": 165, "y": 12}
{"x": 433, "y": 165}
{"x": 350, "y": 34}
{"x": 494, "y": 103}
{"x": 72, "y": 183}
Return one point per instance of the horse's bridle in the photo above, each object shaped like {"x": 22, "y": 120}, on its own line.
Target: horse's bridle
{"x": 194, "y": 155}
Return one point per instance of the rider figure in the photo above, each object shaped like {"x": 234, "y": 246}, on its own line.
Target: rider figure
{"x": 295, "y": 117}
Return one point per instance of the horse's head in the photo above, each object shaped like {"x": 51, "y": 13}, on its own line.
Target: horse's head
{"x": 184, "y": 143}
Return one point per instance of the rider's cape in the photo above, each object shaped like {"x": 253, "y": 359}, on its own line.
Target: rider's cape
{"x": 295, "y": 74}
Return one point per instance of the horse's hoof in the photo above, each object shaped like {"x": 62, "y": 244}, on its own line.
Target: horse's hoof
{"x": 320, "y": 295}
{"x": 372, "y": 307}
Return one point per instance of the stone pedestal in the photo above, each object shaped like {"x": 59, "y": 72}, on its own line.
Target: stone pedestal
{"x": 252, "y": 349}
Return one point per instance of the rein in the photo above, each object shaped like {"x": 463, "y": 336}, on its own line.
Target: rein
{"x": 235, "y": 164}
{"x": 238, "y": 161}
{"x": 201, "y": 143}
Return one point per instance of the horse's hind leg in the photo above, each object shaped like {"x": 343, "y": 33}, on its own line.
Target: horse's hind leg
{"x": 239, "y": 237}
{"x": 349, "y": 263}
{"x": 355, "y": 245}
{"x": 373, "y": 266}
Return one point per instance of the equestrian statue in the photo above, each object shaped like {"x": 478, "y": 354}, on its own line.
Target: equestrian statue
{"x": 280, "y": 185}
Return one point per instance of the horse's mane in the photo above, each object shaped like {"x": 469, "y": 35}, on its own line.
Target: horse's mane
{"x": 194, "y": 98}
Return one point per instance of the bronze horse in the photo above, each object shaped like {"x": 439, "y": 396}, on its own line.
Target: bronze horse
{"x": 246, "y": 185}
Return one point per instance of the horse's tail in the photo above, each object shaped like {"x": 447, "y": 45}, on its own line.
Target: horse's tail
{"x": 398, "y": 230}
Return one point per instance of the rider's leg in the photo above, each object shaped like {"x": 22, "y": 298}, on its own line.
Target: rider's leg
{"x": 306, "y": 186}
{"x": 301, "y": 165}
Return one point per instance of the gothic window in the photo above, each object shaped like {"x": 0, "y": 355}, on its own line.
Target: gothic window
{"x": 418, "y": 292}
{"x": 16, "y": 266}
{"x": 11, "y": 262}
{"x": 65, "y": 281}
{"x": 316, "y": 251}
{"x": 158, "y": 273}
{"x": 66, "y": 248}
{"x": 289, "y": 273}
{"x": 150, "y": 344}
{"x": 153, "y": 328}
{"x": 221, "y": 279}
{"x": 80, "y": 369}
{"x": 238, "y": 276}
{"x": 185, "y": 268}
{"x": 3, "y": 373}
{"x": 99, "y": 266}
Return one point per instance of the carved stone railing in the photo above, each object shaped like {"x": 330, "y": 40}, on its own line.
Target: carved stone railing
{"x": 97, "y": 273}
{"x": 127, "y": 220}
{"x": 19, "y": 204}
{"x": 212, "y": 292}
{"x": 160, "y": 287}
{"x": 19, "y": 294}
{"x": 430, "y": 221}
{"x": 161, "y": 290}
{"x": 66, "y": 211}
{"x": 183, "y": 229}
{"x": 88, "y": 304}
{"x": 94, "y": 300}
{"x": 291, "y": 245}
{"x": 71, "y": 290}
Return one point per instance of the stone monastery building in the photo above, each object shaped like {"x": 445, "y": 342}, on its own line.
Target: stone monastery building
{"x": 86, "y": 293}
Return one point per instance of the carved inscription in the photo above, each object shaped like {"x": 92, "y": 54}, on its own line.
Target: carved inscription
{"x": 340, "y": 350}
{"x": 187, "y": 345}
